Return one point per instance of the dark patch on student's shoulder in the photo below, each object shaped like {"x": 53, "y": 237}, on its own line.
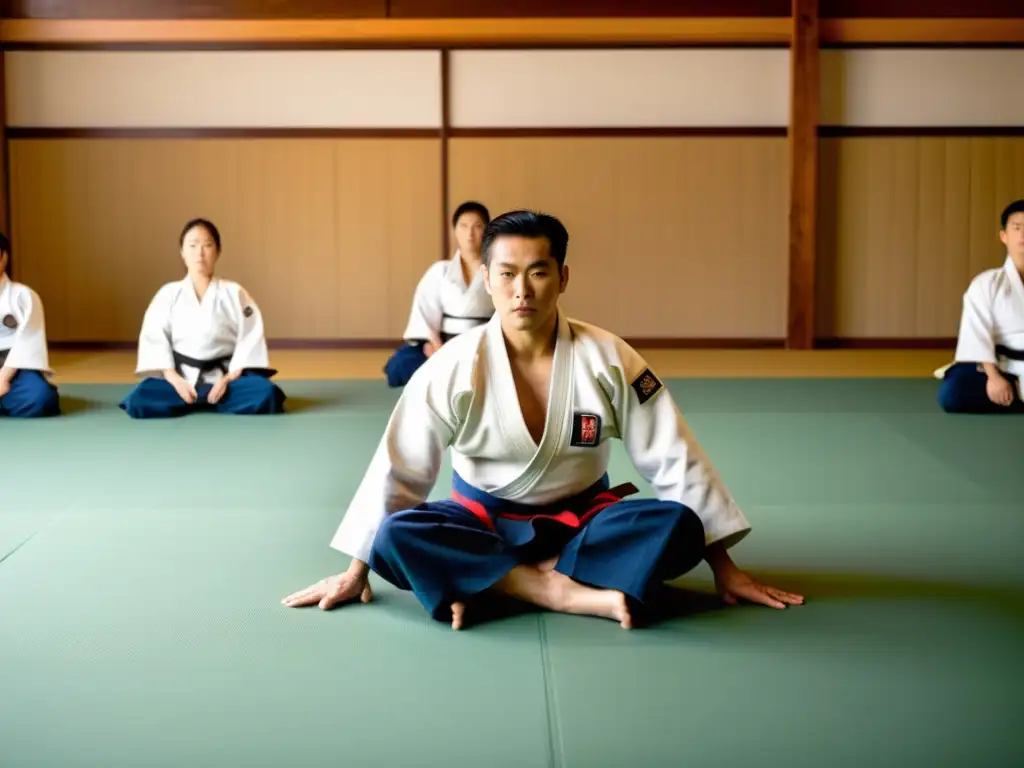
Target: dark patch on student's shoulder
{"x": 10, "y": 321}
{"x": 646, "y": 385}
{"x": 247, "y": 311}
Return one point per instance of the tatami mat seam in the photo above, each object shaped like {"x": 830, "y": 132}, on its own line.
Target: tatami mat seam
{"x": 556, "y": 747}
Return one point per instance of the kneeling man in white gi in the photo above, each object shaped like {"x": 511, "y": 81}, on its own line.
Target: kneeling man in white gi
{"x": 529, "y": 404}
{"x": 25, "y": 388}
{"x": 989, "y": 363}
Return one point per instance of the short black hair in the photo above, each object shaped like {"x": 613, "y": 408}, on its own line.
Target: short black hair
{"x": 529, "y": 224}
{"x": 471, "y": 206}
{"x": 5, "y": 244}
{"x": 205, "y": 224}
{"x": 1017, "y": 206}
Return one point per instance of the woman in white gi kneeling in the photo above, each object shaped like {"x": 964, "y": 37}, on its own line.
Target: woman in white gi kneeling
{"x": 202, "y": 344}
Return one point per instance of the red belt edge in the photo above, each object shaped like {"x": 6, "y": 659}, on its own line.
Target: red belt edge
{"x": 566, "y": 517}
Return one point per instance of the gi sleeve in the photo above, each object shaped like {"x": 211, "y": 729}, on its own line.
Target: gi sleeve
{"x": 975, "y": 341}
{"x": 666, "y": 453}
{"x": 155, "y": 352}
{"x": 251, "y": 352}
{"x": 29, "y": 351}
{"x": 405, "y": 466}
{"x": 426, "y": 314}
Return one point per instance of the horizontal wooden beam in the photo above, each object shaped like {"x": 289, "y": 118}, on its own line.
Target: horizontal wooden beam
{"x": 436, "y": 32}
{"x": 952, "y": 32}
{"x": 148, "y": 132}
{"x": 183, "y": 9}
{"x": 458, "y": 9}
{"x": 638, "y": 342}
{"x": 519, "y": 32}
{"x": 922, "y": 343}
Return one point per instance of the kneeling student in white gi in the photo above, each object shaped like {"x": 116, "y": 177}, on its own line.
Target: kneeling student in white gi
{"x": 529, "y": 404}
{"x": 202, "y": 344}
{"x": 25, "y": 389}
{"x": 450, "y": 298}
{"x": 989, "y": 363}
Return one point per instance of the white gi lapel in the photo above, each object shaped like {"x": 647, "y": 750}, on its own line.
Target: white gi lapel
{"x": 1016, "y": 285}
{"x": 558, "y": 423}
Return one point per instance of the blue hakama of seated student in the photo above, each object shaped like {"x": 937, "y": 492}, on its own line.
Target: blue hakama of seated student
{"x": 25, "y": 389}
{"x": 249, "y": 394}
{"x": 451, "y": 298}
{"x": 405, "y": 361}
{"x": 447, "y": 551}
{"x": 985, "y": 376}
{"x": 29, "y": 396}
{"x": 202, "y": 345}
{"x": 967, "y": 388}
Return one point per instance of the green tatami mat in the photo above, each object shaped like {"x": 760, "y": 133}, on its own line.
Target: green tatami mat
{"x": 142, "y": 566}
{"x": 134, "y": 637}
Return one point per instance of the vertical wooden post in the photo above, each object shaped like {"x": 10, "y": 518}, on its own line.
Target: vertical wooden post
{"x": 445, "y": 122}
{"x": 5, "y": 174}
{"x": 803, "y": 173}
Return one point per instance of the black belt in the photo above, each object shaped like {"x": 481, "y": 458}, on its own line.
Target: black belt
{"x": 446, "y": 337}
{"x": 3, "y": 355}
{"x": 478, "y": 320}
{"x": 1009, "y": 354}
{"x": 205, "y": 366}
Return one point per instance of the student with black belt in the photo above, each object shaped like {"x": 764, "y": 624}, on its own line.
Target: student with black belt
{"x": 986, "y": 374}
{"x": 451, "y": 298}
{"x": 25, "y": 388}
{"x": 202, "y": 344}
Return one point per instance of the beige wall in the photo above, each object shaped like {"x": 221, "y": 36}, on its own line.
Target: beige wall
{"x": 602, "y": 88}
{"x": 671, "y": 237}
{"x": 217, "y": 89}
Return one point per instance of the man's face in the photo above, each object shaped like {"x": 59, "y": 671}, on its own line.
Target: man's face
{"x": 524, "y": 282}
{"x": 3, "y": 262}
{"x": 1013, "y": 237}
{"x": 469, "y": 232}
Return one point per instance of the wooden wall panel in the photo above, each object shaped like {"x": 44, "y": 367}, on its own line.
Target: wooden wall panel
{"x": 669, "y": 237}
{"x": 329, "y": 235}
{"x": 906, "y": 223}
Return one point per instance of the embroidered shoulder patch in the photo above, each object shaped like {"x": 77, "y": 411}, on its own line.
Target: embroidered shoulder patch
{"x": 247, "y": 311}
{"x": 646, "y": 386}
{"x": 586, "y": 430}
{"x": 10, "y": 321}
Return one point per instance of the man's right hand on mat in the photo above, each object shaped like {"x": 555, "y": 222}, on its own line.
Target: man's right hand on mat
{"x": 334, "y": 590}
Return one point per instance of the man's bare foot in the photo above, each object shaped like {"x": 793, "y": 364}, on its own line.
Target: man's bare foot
{"x": 458, "y": 613}
{"x": 606, "y": 603}
{"x": 557, "y": 592}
